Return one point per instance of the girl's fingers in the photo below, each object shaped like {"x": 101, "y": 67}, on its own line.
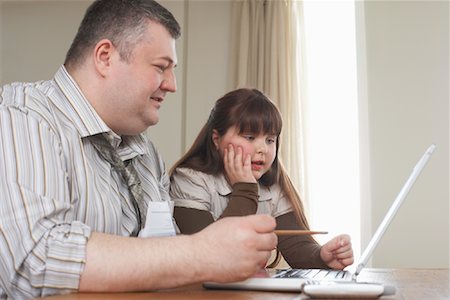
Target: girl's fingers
{"x": 248, "y": 161}
{"x": 238, "y": 158}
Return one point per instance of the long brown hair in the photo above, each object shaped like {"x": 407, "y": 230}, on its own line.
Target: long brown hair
{"x": 249, "y": 110}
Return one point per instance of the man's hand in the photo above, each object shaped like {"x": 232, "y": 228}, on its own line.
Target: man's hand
{"x": 235, "y": 248}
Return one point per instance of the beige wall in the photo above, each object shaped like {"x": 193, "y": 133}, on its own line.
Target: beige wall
{"x": 28, "y": 51}
{"x": 408, "y": 103}
{"x": 406, "y": 96}
{"x": 202, "y": 73}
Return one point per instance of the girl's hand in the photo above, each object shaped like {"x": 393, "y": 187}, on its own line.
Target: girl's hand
{"x": 338, "y": 252}
{"x": 236, "y": 168}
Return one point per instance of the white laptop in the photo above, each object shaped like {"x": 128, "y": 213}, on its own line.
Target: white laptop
{"x": 293, "y": 280}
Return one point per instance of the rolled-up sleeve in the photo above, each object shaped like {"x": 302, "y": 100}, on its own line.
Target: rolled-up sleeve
{"x": 41, "y": 252}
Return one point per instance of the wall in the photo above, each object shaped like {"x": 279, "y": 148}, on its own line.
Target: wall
{"x": 168, "y": 134}
{"x": 203, "y": 54}
{"x": 202, "y": 71}
{"x": 408, "y": 109}
{"x": 406, "y": 100}
{"x": 28, "y": 51}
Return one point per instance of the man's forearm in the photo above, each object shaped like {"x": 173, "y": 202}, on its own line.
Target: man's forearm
{"x": 116, "y": 263}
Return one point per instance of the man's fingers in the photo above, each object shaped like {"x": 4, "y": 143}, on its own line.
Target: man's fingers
{"x": 268, "y": 242}
{"x": 263, "y": 226}
{"x": 262, "y": 223}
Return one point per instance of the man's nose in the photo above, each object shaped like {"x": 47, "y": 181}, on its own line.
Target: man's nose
{"x": 169, "y": 82}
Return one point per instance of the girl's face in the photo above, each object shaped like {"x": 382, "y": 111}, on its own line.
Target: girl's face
{"x": 261, "y": 147}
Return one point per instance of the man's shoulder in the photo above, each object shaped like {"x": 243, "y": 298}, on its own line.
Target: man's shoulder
{"x": 31, "y": 98}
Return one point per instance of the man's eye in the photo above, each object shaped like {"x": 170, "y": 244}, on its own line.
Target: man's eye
{"x": 161, "y": 68}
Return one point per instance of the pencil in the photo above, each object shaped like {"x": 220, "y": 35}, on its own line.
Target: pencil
{"x": 298, "y": 232}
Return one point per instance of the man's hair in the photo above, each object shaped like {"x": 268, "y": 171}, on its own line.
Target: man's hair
{"x": 123, "y": 22}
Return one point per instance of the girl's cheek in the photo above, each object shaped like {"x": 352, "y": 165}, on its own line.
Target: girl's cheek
{"x": 247, "y": 150}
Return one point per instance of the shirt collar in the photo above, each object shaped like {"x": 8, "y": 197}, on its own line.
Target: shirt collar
{"x": 84, "y": 117}
{"x": 87, "y": 121}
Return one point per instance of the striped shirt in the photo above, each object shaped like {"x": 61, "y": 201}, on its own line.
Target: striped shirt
{"x": 55, "y": 189}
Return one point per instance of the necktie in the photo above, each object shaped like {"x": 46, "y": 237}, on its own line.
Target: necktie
{"x": 128, "y": 172}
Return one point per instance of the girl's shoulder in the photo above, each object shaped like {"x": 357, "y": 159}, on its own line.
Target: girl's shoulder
{"x": 189, "y": 177}
{"x": 274, "y": 188}
{"x": 272, "y": 192}
{"x": 182, "y": 173}
{"x": 188, "y": 172}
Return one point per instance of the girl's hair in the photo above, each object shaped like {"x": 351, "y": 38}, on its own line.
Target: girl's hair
{"x": 123, "y": 22}
{"x": 249, "y": 110}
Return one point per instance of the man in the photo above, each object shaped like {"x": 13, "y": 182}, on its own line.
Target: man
{"x": 70, "y": 210}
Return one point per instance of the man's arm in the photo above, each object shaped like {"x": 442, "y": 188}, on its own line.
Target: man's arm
{"x": 42, "y": 252}
{"x": 230, "y": 249}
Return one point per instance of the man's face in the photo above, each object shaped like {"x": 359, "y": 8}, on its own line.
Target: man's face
{"x": 138, "y": 87}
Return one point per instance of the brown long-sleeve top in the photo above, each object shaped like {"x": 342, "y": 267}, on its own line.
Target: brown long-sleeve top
{"x": 201, "y": 199}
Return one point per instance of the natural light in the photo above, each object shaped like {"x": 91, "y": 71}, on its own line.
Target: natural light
{"x": 330, "y": 115}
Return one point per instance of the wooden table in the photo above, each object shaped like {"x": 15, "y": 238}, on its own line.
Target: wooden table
{"x": 411, "y": 284}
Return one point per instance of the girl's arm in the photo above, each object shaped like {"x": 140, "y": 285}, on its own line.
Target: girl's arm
{"x": 243, "y": 202}
{"x": 191, "y": 220}
{"x": 299, "y": 251}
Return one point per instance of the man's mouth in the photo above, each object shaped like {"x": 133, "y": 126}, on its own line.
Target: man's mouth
{"x": 157, "y": 99}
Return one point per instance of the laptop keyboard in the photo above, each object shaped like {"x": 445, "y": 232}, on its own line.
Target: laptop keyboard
{"x": 315, "y": 274}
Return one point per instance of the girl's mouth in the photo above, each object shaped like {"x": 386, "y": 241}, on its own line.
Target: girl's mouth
{"x": 257, "y": 165}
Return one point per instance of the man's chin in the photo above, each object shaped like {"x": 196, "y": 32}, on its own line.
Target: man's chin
{"x": 152, "y": 120}
{"x": 141, "y": 129}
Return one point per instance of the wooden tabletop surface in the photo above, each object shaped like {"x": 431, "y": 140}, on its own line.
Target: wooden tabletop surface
{"x": 410, "y": 284}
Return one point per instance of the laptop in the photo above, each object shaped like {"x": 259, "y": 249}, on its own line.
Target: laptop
{"x": 293, "y": 280}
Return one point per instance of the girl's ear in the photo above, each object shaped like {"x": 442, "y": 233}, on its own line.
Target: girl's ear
{"x": 215, "y": 138}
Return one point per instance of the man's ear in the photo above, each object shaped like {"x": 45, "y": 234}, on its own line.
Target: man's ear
{"x": 216, "y": 138}
{"x": 103, "y": 52}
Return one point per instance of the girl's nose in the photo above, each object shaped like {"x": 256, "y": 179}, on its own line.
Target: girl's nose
{"x": 261, "y": 147}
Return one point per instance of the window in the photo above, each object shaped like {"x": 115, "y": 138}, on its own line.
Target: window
{"x": 330, "y": 117}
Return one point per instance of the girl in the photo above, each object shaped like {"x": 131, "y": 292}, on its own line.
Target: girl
{"x": 232, "y": 169}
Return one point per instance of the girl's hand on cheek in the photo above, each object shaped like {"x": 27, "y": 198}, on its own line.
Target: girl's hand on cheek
{"x": 236, "y": 168}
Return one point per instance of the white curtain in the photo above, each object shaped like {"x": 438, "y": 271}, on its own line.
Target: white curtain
{"x": 265, "y": 53}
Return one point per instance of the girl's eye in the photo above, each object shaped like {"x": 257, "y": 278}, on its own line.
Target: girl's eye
{"x": 249, "y": 137}
{"x": 271, "y": 140}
